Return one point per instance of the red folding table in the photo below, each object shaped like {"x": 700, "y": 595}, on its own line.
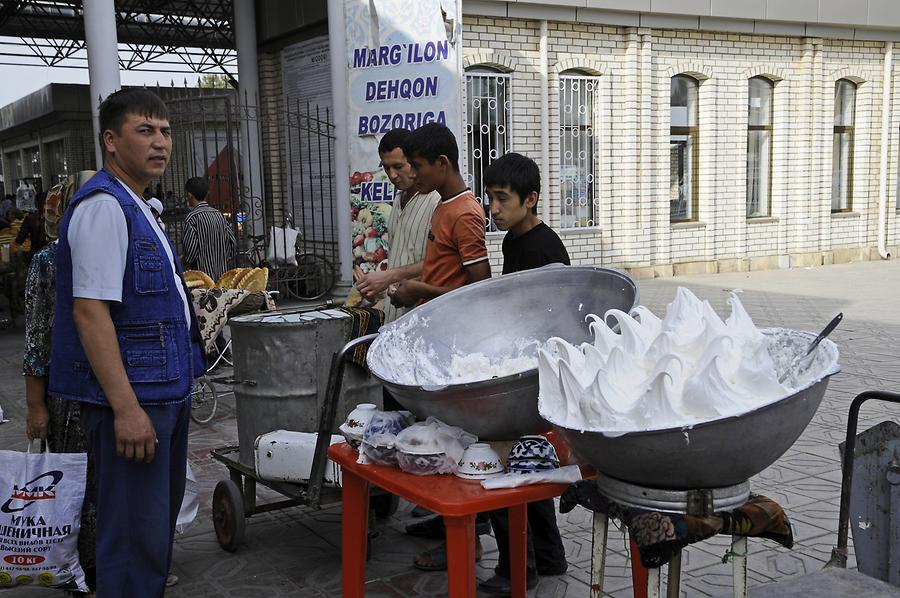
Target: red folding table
{"x": 458, "y": 500}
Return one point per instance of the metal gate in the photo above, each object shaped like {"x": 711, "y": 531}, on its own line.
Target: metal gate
{"x": 288, "y": 227}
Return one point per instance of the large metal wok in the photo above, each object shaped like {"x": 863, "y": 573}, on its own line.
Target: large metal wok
{"x": 715, "y": 454}
{"x": 490, "y": 317}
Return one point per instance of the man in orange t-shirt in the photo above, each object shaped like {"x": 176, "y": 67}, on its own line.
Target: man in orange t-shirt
{"x": 455, "y": 253}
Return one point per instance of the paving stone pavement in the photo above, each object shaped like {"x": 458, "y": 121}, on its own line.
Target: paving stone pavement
{"x": 296, "y": 552}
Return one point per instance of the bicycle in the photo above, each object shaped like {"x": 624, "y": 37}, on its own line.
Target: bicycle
{"x": 310, "y": 277}
{"x": 204, "y": 400}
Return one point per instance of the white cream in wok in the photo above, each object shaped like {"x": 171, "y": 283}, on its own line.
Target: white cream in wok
{"x": 686, "y": 368}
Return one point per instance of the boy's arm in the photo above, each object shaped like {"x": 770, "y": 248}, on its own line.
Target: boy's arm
{"x": 375, "y": 282}
{"x": 410, "y": 292}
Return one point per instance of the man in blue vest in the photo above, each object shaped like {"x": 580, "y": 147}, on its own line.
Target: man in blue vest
{"x": 126, "y": 347}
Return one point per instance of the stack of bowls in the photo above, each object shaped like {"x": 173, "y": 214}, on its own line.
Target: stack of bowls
{"x": 531, "y": 454}
{"x": 352, "y": 429}
{"x": 425, "y": 458}
{"x": 379, "y": 436}
{"x": 479, "y": 461}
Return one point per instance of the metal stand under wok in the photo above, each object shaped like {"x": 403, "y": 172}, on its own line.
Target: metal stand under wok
{"x": 704, "y": 502}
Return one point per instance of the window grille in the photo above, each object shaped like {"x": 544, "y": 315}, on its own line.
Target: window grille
{"x": 684, "y": 135}
{"x": 488, "y": 118}
{"x": 842, "y": 152}
{"x": 759, "y": 147}
{"x": 577, "y": 162}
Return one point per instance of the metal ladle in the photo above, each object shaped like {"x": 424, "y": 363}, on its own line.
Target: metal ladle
{"x": 812, "y": 346}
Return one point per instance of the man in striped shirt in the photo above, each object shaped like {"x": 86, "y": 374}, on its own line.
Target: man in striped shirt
{"x": 408, "y": 224}
{"x": 207, "y": 239}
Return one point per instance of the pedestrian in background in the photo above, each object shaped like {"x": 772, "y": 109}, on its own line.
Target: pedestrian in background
{"x": 207, "y": 239}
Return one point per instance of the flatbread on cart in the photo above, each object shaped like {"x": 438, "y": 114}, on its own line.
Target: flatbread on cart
{"x": 194, "y": 276}
{"x": 227, "y": 280}
{"x": 255, "y": 280}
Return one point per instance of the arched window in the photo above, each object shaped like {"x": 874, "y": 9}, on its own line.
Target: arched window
{"x": 684, "y": 136}
{"x": 487, "y": 126}
{"x": 759, "y": 147}
{"x": 842, "y": 153}
{"x": 578, "y": 174}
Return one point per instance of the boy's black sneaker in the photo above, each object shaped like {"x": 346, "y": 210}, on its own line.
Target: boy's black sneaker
{"x": 499, "y": 585}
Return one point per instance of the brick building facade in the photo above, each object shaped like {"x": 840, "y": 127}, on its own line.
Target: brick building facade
{"x": 628, "y": 112}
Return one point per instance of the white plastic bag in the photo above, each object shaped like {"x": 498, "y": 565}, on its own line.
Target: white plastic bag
{"x": 190, "y": 503}
{"x": 379, "y": 436}
{"x": 40, "y": 516}
{"x": 431, "y": 447}
{"x": 282, "y": 248}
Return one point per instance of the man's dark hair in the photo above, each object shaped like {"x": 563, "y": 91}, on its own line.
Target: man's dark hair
{"x": 519, "y": 173}
{"x": 432, "y": 141}
{"x": 197, "y": 187}
{"x": 392, "y": 140}
{"x": 118, "y": 105}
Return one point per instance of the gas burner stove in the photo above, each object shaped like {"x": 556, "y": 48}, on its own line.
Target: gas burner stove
{"x": 700, "y": 502}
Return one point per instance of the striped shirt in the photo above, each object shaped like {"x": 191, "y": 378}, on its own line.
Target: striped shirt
{"x": 207, "y": 241}
{"x": 408, "y": 228}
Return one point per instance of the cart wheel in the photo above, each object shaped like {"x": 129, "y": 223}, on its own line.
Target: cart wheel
{"x": 204, "y": 401}
{"x": 228, "y": 515}
{"x": 384, "y": 505}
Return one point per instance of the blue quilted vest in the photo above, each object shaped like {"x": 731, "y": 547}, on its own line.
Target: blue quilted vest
{"x": 161, "y": 355}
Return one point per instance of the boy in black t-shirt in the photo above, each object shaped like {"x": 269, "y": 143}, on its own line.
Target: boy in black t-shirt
{"x": 513, "y": 183}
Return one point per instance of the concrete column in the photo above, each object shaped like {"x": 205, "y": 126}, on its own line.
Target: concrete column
{"x": 252, "y": 188}
{"x": 103, "y": 60}
{"x": 46, "y": 175}
{"x": 337, "y": 43}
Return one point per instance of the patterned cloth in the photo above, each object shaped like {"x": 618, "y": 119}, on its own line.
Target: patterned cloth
{"x": 64, "y": 434}
{"x": 366, "y": 320}
{"x": 214, "y": 306}
{"x": 660, "y": 536}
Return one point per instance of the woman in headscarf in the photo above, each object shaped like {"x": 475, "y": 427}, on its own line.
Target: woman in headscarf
{"x": 55, "y": 420}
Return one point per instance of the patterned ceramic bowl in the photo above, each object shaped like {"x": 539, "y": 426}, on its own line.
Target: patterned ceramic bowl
{"x": 530, "y": 465}
{"x": 352, "y": 439}
{"x": 533, "y": 447}
{"x": 479, "y": 461}
{"x": 422, "y": 464}
{"x": 359, "y": 418}
{"x": 381, "y": 455}
{"x": 383, "y": 425}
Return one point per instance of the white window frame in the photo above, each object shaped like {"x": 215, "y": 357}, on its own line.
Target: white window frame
{"x": 573, "y": 151}
{"x": 499, "y": 134}
{"x": 763, "y": 183}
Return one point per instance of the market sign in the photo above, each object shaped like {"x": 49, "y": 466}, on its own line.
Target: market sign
{"x": 405, "y": 70}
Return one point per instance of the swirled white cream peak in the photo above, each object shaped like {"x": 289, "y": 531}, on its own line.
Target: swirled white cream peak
{"x": 652, "y": 373}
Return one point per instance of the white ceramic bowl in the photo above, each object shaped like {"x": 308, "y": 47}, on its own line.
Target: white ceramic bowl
{"x": 352, "y": 438}
{"x": 479, "y": 461}
{"x": 359, "y": 418}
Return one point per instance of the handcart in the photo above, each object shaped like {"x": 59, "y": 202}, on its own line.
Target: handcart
{"x": 234, "y": 499}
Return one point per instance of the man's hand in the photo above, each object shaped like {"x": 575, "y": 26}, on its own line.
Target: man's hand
{"x": 374, "y": 282}
{"x": 135, "y": 435}
{"x": 405, "y": 293}
{"x": 37, "y": 421}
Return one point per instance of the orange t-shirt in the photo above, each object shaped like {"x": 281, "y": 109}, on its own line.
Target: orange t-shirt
{"x": 456, "y": 240}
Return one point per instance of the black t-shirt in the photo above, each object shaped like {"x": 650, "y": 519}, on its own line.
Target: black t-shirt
{"x": 538, "y": 247}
